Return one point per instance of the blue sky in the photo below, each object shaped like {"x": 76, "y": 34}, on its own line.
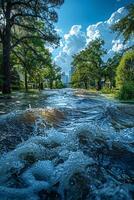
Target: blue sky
{"x": 81, "y": 21}
{"x": 87, "y": 12}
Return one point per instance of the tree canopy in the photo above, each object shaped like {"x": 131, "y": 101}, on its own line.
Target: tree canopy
{"x": 125, "y": 26}
{"x": 22, "y": 20}
{"x": 87, "y": 64}
{"x": 125, "y": 70}
{"x": 125, "y": 76}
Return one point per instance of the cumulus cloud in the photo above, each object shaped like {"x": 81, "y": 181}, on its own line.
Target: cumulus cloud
{"x": 73, "y": 42}
{"x": 76, "y": 39}
{"x": 117, "y": 45}
{"x": 116, "y": 16}
{"x": 102, "y": 30}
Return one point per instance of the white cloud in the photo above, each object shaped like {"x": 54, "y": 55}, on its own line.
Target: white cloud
{"x": 58, "y": 30}
{"x": 102, "y": 29}
{"x": 116, "y": 16}
{"x": 117, "y": 45}
{"x": 75, "y": 30}
{"x": 73, "y": 42}
{"x": 76, "y": 39}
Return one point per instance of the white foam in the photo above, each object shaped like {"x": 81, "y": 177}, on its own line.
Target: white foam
{"x": 43, "y": 162}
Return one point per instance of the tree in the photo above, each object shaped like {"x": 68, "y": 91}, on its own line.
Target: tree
{"x": 82, "y": 75}
{"x": 109, "y": 71}
{"x": 52, "y": 76}
{"x": 125, "y": 70}
{"x": 58, "y": 73}
{"x": 23, "y": 15}
{"x": 31, "y": 58}
{"x": 125, "y": 26}
{"x": 1, "y": 78}
{"x": 87, "y": 64}
{"x": 15, "y": 79}
{"x": 38, "y": 71}
{"x": 125, "y": 76}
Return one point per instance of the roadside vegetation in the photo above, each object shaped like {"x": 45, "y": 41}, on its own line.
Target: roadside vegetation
{"x": 26, "y": 31}
{"x": 114, "y": 76}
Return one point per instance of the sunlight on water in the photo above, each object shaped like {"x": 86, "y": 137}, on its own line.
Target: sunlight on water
{"x": 75, "y": 148}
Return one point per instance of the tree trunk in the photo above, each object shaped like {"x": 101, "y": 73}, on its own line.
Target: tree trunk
{"x": 51, "y": 84}
{"x": 86, "y": 86}
{"x": 99, "y": 85}
{"x": 26, "y": 81}
{"x": 6, "y": 71}
{"x": 40, "y": 86}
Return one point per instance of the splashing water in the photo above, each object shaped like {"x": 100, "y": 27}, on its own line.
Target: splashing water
{"x": 87, "y": 155}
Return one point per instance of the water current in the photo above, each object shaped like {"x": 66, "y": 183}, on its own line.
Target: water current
{"x": 66, "y": 145}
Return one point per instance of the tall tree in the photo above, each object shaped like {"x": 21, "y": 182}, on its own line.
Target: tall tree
{"x": 31, "y": 58}
{"x": 23, "y": 15}
{"x": 125, "y": 69}
{"x": 109, "y": 70}
{"x": 88, "y": 64}
{"x": 125, "y": 26}
{"x": 125, "y": 76}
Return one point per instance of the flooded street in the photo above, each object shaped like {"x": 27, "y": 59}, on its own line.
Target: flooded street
{"x": 66, "y": 145}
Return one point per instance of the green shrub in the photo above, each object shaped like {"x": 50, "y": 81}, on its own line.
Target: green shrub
{"x": 107, "y": 90}
{"x": 125, "y": 76}
{"x": 126, "y": 91}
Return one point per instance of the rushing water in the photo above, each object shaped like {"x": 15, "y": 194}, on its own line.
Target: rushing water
{"x": 66, "y": 145}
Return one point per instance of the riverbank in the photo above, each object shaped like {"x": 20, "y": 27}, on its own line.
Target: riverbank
{"x": 111, "y": 95}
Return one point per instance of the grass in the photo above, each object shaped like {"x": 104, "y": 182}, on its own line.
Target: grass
{"x": 110, "y": 94}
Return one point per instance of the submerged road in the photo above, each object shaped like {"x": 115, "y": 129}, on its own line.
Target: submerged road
{"x": 66, "y": 144}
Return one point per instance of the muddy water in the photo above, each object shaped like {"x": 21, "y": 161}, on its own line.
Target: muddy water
{"x": 66, "y": 144}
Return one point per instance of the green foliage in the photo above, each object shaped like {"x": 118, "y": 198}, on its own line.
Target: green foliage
{"x": 126, "y": 25}
{"x": 1, "y": 76}
{"x": 109, "y": 70}
{"x": 126, "y": 91}
{"x": 125, "y": 76}
{"x": 34, "y": 64}
{"x": 125, "y": 70}
{"x": 81, "y": 77}
{"x": 107, "y": 90}
{"x": 15, "y": 79}
{"x": 87, "y": 64}
{"x": 22, "y": 21}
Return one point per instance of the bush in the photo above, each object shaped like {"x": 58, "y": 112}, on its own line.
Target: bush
{"x": 125, "y": 76}
{"x": 107, "y": 90}
{"x": 126, "y": 91}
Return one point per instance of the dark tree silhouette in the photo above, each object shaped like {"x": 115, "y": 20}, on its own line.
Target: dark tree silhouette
{"x": 22, "y": 16}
